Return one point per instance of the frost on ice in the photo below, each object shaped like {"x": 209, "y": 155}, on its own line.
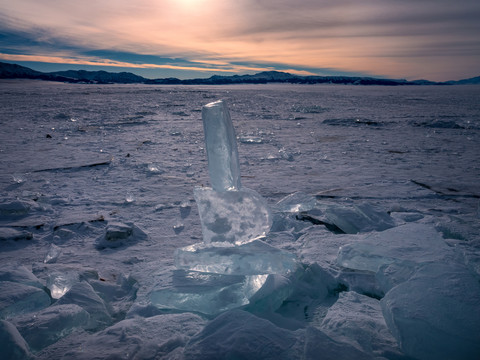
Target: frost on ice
{"x": 232, "y": 267}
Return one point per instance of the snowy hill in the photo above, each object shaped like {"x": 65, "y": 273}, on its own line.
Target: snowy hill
{"x": 470, "y": 81}
{"x": 101, "y": 76}
{"x": 14, "y": 71}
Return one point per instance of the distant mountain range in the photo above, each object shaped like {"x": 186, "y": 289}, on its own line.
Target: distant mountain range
{"x": 14, "y": 71}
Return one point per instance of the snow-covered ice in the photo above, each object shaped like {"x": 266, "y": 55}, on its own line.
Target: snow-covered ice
{"x": 374, "y": 201}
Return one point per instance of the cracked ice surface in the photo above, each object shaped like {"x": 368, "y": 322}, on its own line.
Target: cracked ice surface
{"x": 127, "y": 128}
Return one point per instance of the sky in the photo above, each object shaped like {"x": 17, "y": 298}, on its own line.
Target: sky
{"x": 437, "y": 40}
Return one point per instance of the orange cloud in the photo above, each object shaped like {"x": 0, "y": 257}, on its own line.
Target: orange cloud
{"x": 390, "y": 37}
{"x": 94, "y": 62}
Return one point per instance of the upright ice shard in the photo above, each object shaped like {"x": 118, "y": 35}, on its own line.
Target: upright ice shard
{"x": 221, "y": 145}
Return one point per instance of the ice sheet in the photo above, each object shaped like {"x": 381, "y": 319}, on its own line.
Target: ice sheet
{"x": 150, "y": 144}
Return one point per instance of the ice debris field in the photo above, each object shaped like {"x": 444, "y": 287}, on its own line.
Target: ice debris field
{"x": 293, "y": 222}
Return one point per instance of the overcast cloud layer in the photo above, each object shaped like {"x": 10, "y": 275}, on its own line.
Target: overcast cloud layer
{"x": 433, "y": 39}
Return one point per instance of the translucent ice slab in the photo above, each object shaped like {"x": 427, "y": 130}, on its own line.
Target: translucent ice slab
{"x": 359, "y": 218}
{"x": 207, "y": 293}
{"x": 412, "y": 242}
{"x": 253, "y": 258}
{"x": 436, "y": 313}
{"x": 51, "y": 324}
{"x": 236, "y": 217}
{"x": 16, "y": 298}
{"x": 221, "y": 145}
{"x": 212, "y": 294}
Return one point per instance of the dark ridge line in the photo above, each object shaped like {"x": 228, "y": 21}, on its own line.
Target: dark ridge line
{"x": 74, "y": 167}
{"x": 15, "y": 71}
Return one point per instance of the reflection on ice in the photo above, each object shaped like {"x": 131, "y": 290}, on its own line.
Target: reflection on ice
{"x": 236, "y": 216}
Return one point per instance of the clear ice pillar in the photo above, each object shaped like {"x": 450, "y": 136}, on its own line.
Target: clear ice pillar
{"x": 221, "y": 145}
{"x": 228, "y": 212}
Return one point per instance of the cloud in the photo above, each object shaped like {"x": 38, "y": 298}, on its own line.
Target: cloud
{"x": 388, "y": 37}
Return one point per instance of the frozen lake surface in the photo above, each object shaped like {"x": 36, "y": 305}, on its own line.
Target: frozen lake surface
{"x": 392, "y": 171}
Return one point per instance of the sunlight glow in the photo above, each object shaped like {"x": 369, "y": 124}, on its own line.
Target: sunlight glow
{"x": 390, "y": 38}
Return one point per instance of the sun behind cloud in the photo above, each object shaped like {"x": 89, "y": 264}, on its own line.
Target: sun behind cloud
{"x": 433, "y": 39}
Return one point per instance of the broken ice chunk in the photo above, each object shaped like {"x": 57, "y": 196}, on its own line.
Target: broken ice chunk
{"x": 178, "y": 228}
{"x": 19, "y": 274}
{"x": 254, "y": 258}
{"x": 18, "y": 298}
{"x": 185, "y": 209}
{"x": 412, "y": 242}
{"x": 240, "y": 335}
{"x": 317, "y": 342}
{"x": 435, "y": 314}
{"x": 60, "y": 282}
{"x": 221, "y": 146}
{"x": 14, "y": 345}
{"x": 296, "y": 202}
{"x": 82, "y": 294}
{"x": 51, "y": 324}
{"x": 14, "y": 234}
{"x": 236, "y": 217}
{"x": 212, "y": 294}
{"x": 358, "y": 319}
{"x": 359, "y": 218}
{"x": 206, "y": 293}
{"x": 52, "y": 254}
{"x": 118, "y": 234}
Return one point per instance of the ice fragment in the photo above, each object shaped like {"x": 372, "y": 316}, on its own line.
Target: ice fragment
{"x": 52, "y": 254}
{"x": 60, "y": 282}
